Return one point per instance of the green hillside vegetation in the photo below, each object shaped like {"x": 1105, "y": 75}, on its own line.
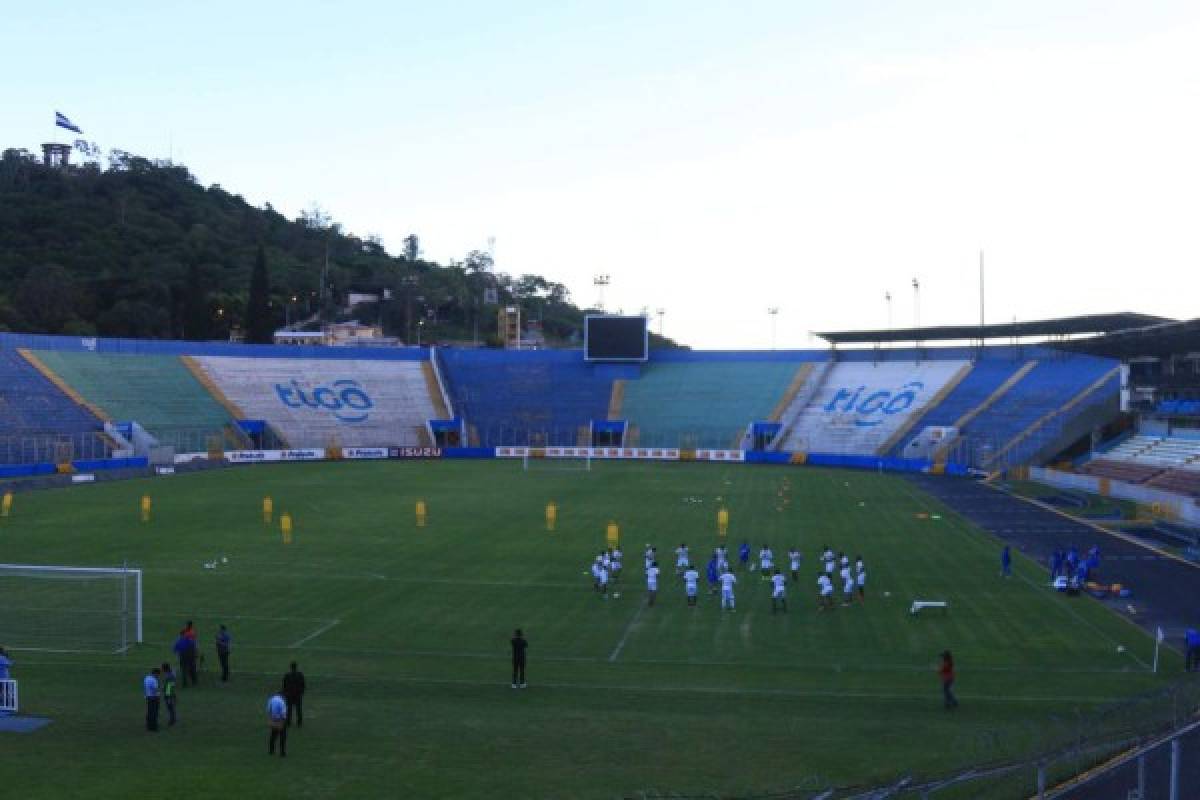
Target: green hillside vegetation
{"x": 140, "y": 249}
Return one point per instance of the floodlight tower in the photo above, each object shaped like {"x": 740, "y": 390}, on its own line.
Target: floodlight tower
{"x": 600, "y": 281}
{"x": 773, "y": 313}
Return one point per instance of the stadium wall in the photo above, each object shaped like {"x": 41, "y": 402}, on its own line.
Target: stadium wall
{"x": 1171, "y": 504}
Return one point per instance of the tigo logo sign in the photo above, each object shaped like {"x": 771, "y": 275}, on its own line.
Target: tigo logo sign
{"x": 345, "y": 399}
{"x": 872, "y": 408}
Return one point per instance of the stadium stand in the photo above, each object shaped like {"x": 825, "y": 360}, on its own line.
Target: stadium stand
{"x": 1163, "y": 462}
{"x": 522, "y": 398}
{"x": 704, "y": 404}
{"x": 321, "y": 403}
{"x": 37, "y": 418}
{"x": 861, "y": 405}
{"x": 1035, "y": 403}
{"x": 985, "y": 385}
{"x": 157, "y": 392}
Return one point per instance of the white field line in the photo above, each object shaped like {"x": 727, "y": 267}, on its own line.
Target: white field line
{"x": 327, "y": 626}
{"x": 629, "y": 626}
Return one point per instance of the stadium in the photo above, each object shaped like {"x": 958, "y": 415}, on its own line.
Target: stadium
{"x": 415, "y": 483}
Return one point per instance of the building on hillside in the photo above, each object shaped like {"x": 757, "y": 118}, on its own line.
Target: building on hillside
{"x": 339, "y": 334}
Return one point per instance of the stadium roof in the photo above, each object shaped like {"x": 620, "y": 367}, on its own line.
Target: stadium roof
{"x": 1161, "y": 340}
{"x": 1062, "y": 327}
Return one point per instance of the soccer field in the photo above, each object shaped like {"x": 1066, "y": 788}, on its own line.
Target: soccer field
{"x": 403, "y": 635}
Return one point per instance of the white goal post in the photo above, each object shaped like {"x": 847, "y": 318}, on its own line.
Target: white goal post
{"x": 536, "y": 460}
{"x": 70, "y": 609}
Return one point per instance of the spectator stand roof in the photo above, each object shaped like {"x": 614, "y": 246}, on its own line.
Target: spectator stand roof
{"x": 1054, "y": 329}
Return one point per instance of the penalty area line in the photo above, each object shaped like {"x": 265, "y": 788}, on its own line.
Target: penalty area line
{"x": 327, "y": 626}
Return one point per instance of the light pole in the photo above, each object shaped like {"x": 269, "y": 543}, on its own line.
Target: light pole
{"x": 661, "y": 312}
{"x": 600, "y": 281}
{"x": 773, "y": 312}
{"x": 420, "y": 327}
{"x": 887, "y": 298}
{"x": 916, "y": 303}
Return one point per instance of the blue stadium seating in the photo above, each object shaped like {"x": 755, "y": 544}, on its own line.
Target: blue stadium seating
{"x": 35, "y": 414}
{"x": 1052, "y": 383}
{"x": 987, "y": 375}
{"x": 521, "y": 398}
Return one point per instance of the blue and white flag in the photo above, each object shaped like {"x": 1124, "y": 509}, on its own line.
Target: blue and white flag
{"x": 60, "y": 119}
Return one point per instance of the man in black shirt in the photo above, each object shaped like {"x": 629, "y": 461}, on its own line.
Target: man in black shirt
{"x": 518, "y": 657}
{"x": 293, "y": 695}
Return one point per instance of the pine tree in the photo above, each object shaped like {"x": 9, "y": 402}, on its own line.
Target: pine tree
{"x": 259, "y": 325}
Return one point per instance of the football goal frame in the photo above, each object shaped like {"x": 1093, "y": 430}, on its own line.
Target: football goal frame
{"x": 127, "y": 609}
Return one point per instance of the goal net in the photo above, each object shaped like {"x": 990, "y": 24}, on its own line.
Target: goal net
{"x": 538, "y": 462}
{"x": 70, "y": 609}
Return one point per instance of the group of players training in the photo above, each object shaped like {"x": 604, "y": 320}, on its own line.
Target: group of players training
{"x": 606, "y": 570}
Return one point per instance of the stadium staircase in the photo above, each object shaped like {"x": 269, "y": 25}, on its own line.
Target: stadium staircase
{"x": 1050, "y": 426}
{"x": 156, "y": 391}
{"x": 912, "y": 420}
{"x": 38, "y": 419}
{"x": 332, "y": 402}
{"x": 788, "y": 415}
{"x": 705, "y": 404}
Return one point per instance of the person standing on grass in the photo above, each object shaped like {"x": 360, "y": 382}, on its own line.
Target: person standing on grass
{"x": 1006, "y": 562}
{"x": 277, "y": 719}
{"x": 691, "y": 579}
{"x": 651, "y": 582}
{"x": 519, "y": 646}
{"x": 293, "y": 694}
{"x": 185, "y": 651}
{"x": 728, "y": 579}
{"x": 946, "y": 672}
{"x": 744, "y": 554}
{"x": 1192, "y": 639}
{"x": 778, "y": 596}
{"x": 224, "y": 640}
{"x": 168, "y": 692}
{"x": 150, "y": 690}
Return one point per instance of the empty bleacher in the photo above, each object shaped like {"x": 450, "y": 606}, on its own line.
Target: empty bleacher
{"x": 156, "y": 391}
{"x": 1163, "y": 462}
{"x": 328, "y": 402}
{"x": 525, "y": 397}
{"x": 862, "y": 405}
{"x": 1052, "y": 384}
{"x": 37, "y": 420}
{"x": 701, "y": 403}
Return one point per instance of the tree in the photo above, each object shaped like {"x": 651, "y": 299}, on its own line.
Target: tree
{"x": 46, "y": 298}
{"x": 259, "y": 325}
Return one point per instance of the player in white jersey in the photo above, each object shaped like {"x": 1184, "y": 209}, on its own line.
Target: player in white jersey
{"x": 602, "y": 578}
{"x": 829, "y": 565}
{"x": 691, "y": 579}
{"x": 778, "y": 599}
{"x": 766, "y": 561}
{"x": 845, "y": 573}
{"x": 843, "y": 559}
{"x": 824, "y": 591}
{"x": 596, "y": 574}
{"x": 728, "y": 579}
{"x": 650, "y": 556}
{"x": 722, "y": 559}
{"x": 794, "y": 558}
{"x": 827, "y": 554}
{"x": 847, "y": 588}
{"x": 858, "y": 564}
{"x": 681, "y": 558}
{"x": 606, "y": 560}
{"x": 651, "y": 583}
{"x": 862, "y": 584}
{"x": 615, "y": 558}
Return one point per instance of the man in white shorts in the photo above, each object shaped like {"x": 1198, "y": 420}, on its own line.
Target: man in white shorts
{"x": 615, "y": 558}
{"x": 650, "y": 556}
{"x": 722, "y": 559}
{"x": 691, "y": 579}
{"x": 728, "y": 579}
{"x": 651, "y": 583}
{"x": 861, "y": 580}
{"x": 825, "y": 591}
{"x": 681, "y": 558}
{"x": 794, "y": 558}
{"x": 847, "y": 588}
{"x": 766, "y": 561}
{"x": 778, "y": 600}
{"x": 602, "y": 580}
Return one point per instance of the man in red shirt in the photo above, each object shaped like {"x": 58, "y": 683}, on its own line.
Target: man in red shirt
{"x": 946, "y": 671}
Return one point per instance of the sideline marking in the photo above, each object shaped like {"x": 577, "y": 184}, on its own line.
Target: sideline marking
{"x": 315, "y": 634}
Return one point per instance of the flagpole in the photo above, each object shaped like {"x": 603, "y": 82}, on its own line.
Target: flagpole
{"x": 1158, "y": 637}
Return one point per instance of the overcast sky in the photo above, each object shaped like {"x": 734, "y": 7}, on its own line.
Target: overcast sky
{"x": 715, "y": 159}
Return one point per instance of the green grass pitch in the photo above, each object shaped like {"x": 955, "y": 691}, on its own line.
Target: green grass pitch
{"x": 403, "y": 635}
